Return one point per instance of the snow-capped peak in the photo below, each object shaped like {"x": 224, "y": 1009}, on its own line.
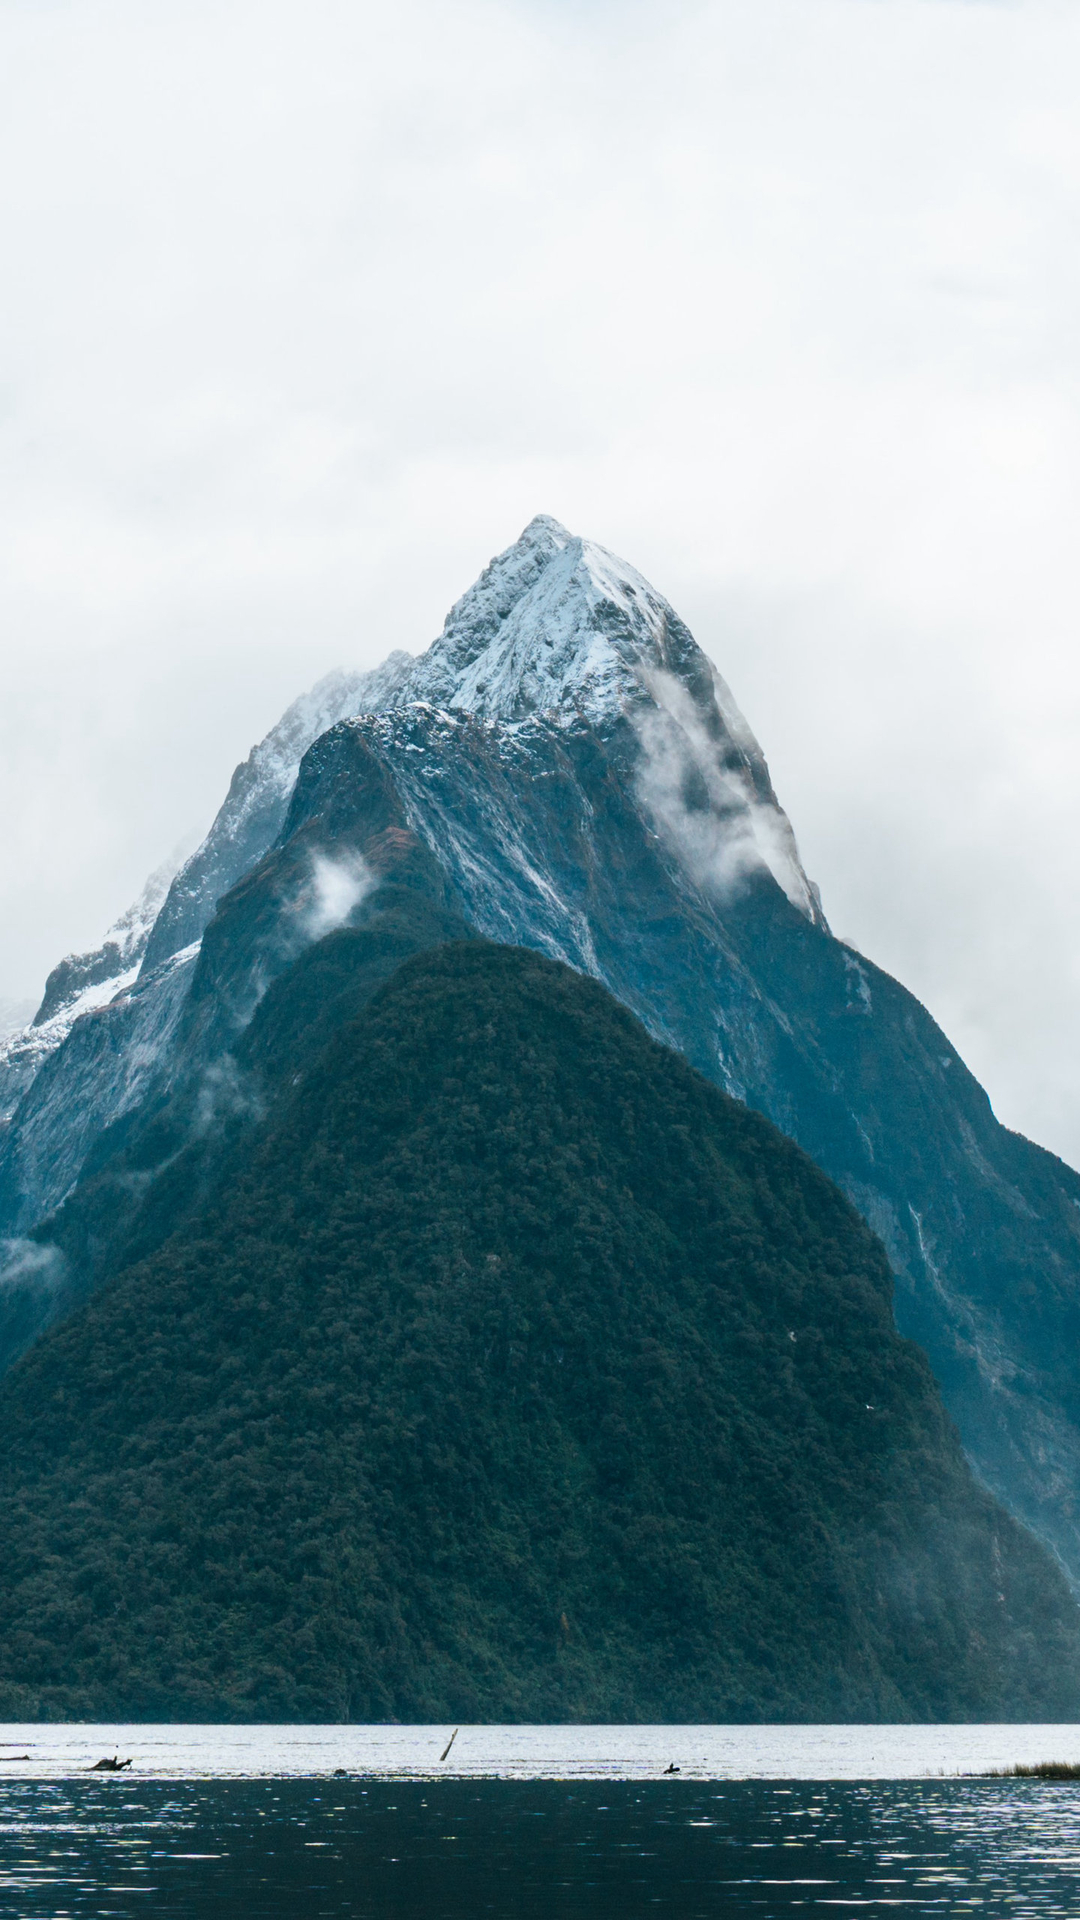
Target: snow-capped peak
{"x": 559, "y": 627}
{"x": 476, "y": 619}
{"x": 554, "y": 625}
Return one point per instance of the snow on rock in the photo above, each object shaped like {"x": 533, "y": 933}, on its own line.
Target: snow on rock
{"x": 560, "y": 628}
{"x": 79, "y": 984}
{"x": 111, "y": 1054}
{"x": 23, "y": 1055}
{"x": 555, "y": 626}
{"x": 121, "y": 950}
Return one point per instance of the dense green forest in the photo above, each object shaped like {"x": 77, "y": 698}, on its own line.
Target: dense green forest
{"x": 514, "y": 1372}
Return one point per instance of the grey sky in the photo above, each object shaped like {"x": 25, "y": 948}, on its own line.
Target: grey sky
{"x": 309, "y": 308}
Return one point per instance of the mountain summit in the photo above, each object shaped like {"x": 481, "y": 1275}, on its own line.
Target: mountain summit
{"x": 558, "y": 629}
{"x": 557, "y": 625}
{"x": 564, "y": 770}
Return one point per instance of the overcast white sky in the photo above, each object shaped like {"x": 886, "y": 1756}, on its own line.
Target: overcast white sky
{"x": 309, "y": 305}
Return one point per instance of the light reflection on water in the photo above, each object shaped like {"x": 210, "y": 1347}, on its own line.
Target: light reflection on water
{"x": 564, "y": 1842}
{"x": 536, "y": 1753}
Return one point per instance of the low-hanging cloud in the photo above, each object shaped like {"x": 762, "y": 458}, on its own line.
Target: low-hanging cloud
{"x": 30, "y": 1266}
{"x": 324, "y": 896}
{"x": 320, "y": 898}
{"x": 706, "y": 810}
{"x": 338, "y": 885}
{"x": 226, "y": 1093}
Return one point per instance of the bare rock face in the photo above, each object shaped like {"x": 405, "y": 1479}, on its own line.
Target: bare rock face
{"x": 580, "y": 781}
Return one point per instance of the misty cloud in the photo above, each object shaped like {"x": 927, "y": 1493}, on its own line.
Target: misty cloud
{"x": 28, "y": 1266}
{"x": 324, "y": 896}
{"x": 707, "y": 812}
{"x": 15, "y": 1015}
{"x": 226, "y": 1093}
{"x": 338, "y": 886}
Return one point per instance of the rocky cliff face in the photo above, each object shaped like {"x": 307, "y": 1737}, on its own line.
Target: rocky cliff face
{"x": 584, "y": 784}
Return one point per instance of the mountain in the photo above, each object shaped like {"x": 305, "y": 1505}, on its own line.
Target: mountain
{"x": 514, "y": 1372}
{"x": 573, "y": 770}
{"x": 172, "y": 911}
{"x": 77, "y": 985}
{"x": 256, "y": 803}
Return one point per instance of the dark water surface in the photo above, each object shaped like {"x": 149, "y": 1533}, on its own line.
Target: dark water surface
{"x": 455, "y": 1849}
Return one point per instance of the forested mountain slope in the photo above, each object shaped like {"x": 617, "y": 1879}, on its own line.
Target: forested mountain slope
{"x": 514, "y": 1372}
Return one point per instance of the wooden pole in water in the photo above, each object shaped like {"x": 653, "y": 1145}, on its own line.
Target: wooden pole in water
{"x": 448, "y": 1746}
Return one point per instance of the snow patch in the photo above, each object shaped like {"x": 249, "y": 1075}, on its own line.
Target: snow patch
{"x": 558, "y": 628}
{"x": 255, "y": 807}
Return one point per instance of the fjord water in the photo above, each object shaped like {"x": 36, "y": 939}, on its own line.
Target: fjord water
{"x": 534, "y": 1823}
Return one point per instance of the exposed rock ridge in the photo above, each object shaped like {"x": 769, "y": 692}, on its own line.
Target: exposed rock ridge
{"x": 80, "y": 983}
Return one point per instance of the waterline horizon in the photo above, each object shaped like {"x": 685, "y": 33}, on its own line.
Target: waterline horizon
{"x": 587, "y": 1751}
